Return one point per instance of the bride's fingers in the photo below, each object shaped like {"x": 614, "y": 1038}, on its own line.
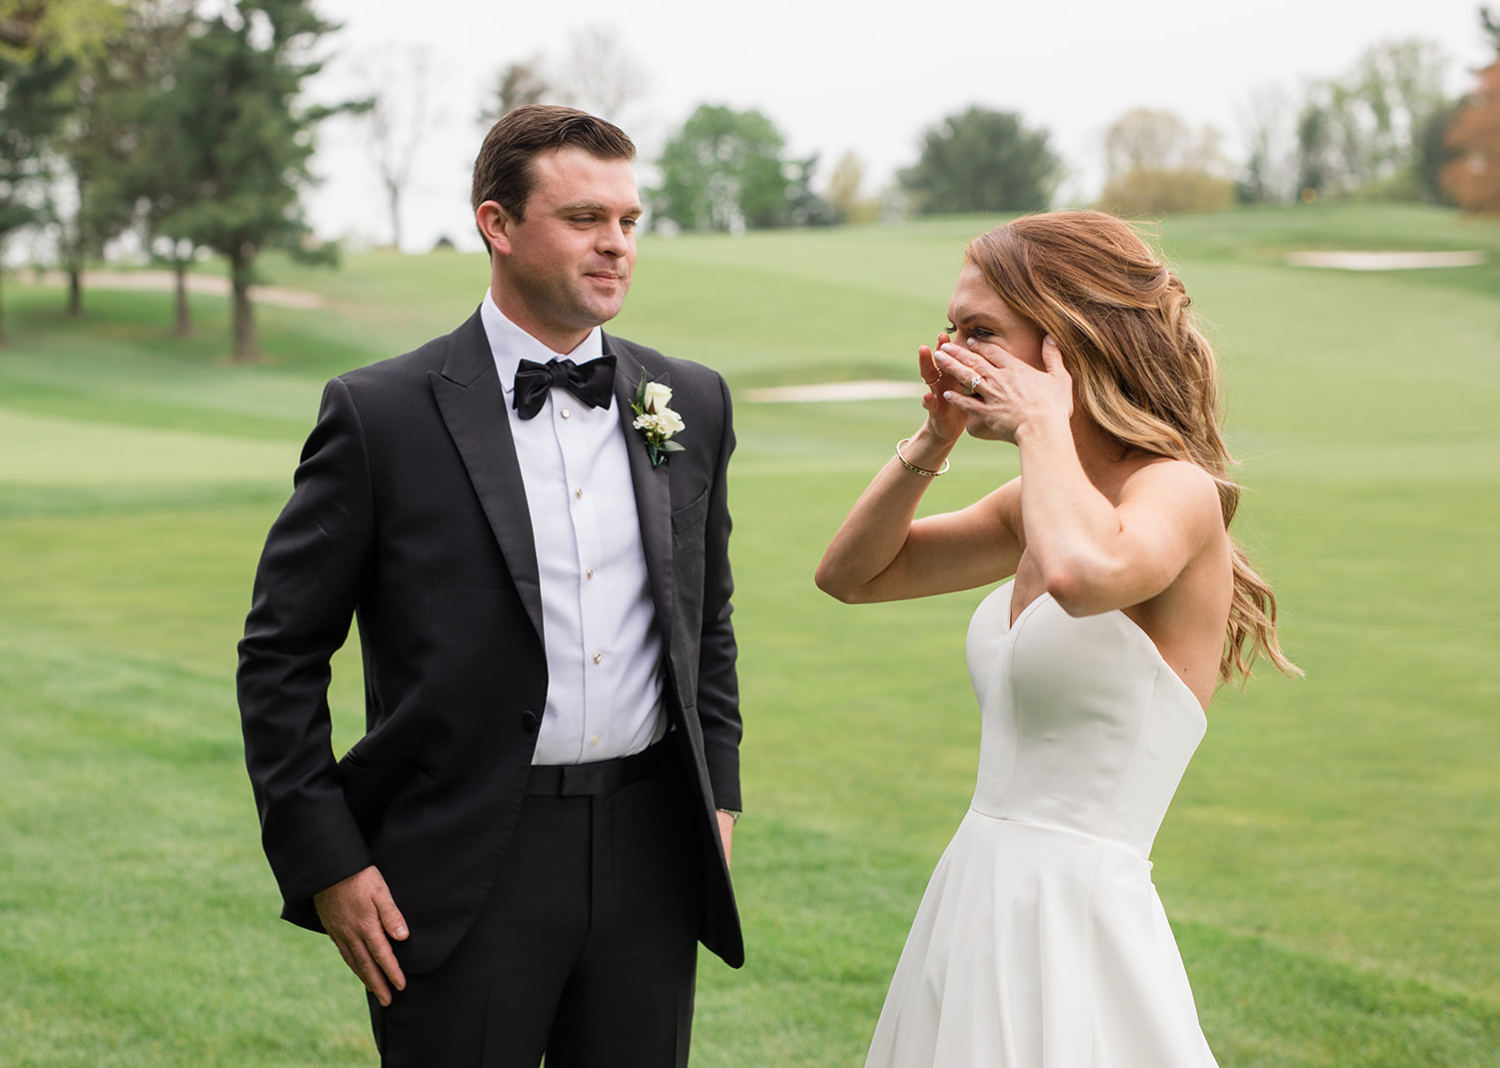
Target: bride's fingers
{"x": 956, "y": 362}
{"x": 1052, "y": 360}
{"x": 964, "y": 402}
{"x": 993, "y": 354}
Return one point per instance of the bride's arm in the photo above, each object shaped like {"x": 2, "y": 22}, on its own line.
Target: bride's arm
{"x": 882, "y": 554}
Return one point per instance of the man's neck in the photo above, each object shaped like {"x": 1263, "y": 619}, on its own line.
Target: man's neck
{"x": 560, "y": 340}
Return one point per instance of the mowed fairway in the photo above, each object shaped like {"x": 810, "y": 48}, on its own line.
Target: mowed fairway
{"x": 1331, "y": 863}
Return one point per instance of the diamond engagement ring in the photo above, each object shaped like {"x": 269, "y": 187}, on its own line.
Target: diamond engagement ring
{"x": 973, "y": 385}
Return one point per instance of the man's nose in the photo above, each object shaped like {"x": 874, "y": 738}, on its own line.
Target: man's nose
{"x": 612, "y": 240}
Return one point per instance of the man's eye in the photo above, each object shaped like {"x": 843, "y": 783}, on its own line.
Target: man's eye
{"x": 583, "y": 219}
{"x": 628, "y": 224}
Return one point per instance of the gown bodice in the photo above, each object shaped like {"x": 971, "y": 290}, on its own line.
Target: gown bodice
{"x": 1085, "y": 727}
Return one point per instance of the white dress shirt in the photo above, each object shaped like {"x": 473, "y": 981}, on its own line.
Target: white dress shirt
{"x": 604, "y": 671}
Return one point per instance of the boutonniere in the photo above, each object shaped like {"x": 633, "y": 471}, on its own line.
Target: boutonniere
{"x": 656, "y": 422}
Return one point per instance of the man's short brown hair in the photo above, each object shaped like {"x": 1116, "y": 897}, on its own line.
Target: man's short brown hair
{"x": 503, "y": 173}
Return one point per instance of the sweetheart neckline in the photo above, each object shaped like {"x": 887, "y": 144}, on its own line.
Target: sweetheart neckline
{"x": 1011, "y": 628}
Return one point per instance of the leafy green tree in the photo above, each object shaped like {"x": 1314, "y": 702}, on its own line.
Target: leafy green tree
{"x": 983, "y": 160}
{"x": 724, "y": 171}
{"x": 1364, "y": 131}
{"x": 33, "y": 104}
{"x": 244, "y": 141}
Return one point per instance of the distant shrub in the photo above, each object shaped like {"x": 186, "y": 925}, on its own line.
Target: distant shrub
{"x": 1148, "y": 191}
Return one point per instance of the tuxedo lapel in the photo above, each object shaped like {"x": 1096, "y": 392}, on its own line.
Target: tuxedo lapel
{"x": 653, "y": 495}
{"x": 472, "y": 402}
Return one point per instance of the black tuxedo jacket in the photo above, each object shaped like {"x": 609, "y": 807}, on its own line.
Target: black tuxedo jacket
{"x": 409, "y": 512}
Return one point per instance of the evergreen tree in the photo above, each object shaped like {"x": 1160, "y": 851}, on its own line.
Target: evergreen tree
{"x": 244, "y": 141}
{"x": 982, "y": 160}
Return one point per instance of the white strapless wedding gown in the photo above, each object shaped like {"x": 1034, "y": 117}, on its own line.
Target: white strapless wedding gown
{"x": 1040, "y": 942}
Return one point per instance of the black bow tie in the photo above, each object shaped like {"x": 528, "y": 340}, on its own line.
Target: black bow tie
{"x": 593, "y": 383}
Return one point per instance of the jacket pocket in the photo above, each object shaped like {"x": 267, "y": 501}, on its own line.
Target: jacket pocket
{"x": 689, "y": 516}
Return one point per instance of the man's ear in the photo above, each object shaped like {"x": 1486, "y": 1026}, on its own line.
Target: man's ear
{"x": 495, "y": 224}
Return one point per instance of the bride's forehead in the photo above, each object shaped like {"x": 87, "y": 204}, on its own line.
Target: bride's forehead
{"x": 973, "y": 295}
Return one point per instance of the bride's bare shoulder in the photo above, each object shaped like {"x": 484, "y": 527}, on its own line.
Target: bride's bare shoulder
{"x": 1177, "y": 485}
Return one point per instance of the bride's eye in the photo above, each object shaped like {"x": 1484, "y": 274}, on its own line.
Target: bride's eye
{"x": 950, "y": 329}
{"x": 979, "y": 331}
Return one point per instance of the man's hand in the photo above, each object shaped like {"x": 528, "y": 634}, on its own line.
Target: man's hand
{"x": 726, "y": 833}
{"x": 358, "y": 913}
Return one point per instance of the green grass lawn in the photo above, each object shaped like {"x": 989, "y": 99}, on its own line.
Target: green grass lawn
{"x": 1332, "y": 860}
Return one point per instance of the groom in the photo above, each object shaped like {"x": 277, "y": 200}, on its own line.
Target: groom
{"x": 522, "y": 852}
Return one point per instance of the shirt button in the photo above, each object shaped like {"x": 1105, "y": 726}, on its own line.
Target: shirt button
{"x": 578, "y": 493}
{"x": 567, "y": 413}
{"x": 598, "y": 658}
{"x": 594, "y": 740}
{"x": 589, "y": 573}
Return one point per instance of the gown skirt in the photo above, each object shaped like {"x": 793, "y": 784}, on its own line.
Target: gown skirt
{"x": 1040, "y": 941}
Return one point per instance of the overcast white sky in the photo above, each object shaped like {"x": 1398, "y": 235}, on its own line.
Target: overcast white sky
{"x": 866, "y": 77}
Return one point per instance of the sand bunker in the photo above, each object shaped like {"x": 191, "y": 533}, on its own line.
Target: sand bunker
{"x": 872, "y": 389}
{"x": 1384, "y": 261}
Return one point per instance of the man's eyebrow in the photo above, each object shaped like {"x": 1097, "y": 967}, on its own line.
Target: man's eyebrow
{"x": 597, "y": 205}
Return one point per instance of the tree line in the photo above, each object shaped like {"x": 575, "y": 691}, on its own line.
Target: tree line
{"x": 147, "y": 116}
{"x": 191, "y": 132}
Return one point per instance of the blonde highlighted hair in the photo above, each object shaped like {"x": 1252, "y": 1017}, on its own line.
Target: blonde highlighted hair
{"x": 1141, "y": 368}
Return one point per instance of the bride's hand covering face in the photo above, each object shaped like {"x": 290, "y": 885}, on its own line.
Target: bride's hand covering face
{"x": 943, "y": 419}
{"x": 1006, "y": 372}
{"x": 1003, "y": 396}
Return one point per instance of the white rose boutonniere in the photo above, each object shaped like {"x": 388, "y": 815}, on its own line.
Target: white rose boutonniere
{"x": 657, "y": 422}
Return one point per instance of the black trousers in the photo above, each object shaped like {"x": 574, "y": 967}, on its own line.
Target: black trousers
{"x": 586, "y": 948}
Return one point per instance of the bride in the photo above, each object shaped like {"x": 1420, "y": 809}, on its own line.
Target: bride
{"x": 1040, "y": 942}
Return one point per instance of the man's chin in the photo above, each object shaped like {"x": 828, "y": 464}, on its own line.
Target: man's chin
{"x": 602, "y": 311}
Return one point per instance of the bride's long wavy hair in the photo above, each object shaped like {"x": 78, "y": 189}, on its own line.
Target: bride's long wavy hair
{"x": 1141, "y": 368}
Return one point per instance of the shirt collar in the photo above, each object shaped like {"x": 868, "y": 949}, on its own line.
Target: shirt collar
{"x": 509, "y": 344}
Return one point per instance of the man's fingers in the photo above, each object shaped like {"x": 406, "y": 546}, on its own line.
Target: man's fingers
{"x": 359, "y": 913}
{"x": 385, "y": 959}
{"x": 390, "y": 916}
{"x": 357, "y": 956}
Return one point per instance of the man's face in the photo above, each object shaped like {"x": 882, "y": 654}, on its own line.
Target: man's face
{"x": 568, "y": 265}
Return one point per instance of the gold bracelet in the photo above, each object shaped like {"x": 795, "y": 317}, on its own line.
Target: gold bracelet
{"x": 913, "y": 468}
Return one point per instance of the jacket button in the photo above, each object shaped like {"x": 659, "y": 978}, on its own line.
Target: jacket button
{"x": 529, "y": 721}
